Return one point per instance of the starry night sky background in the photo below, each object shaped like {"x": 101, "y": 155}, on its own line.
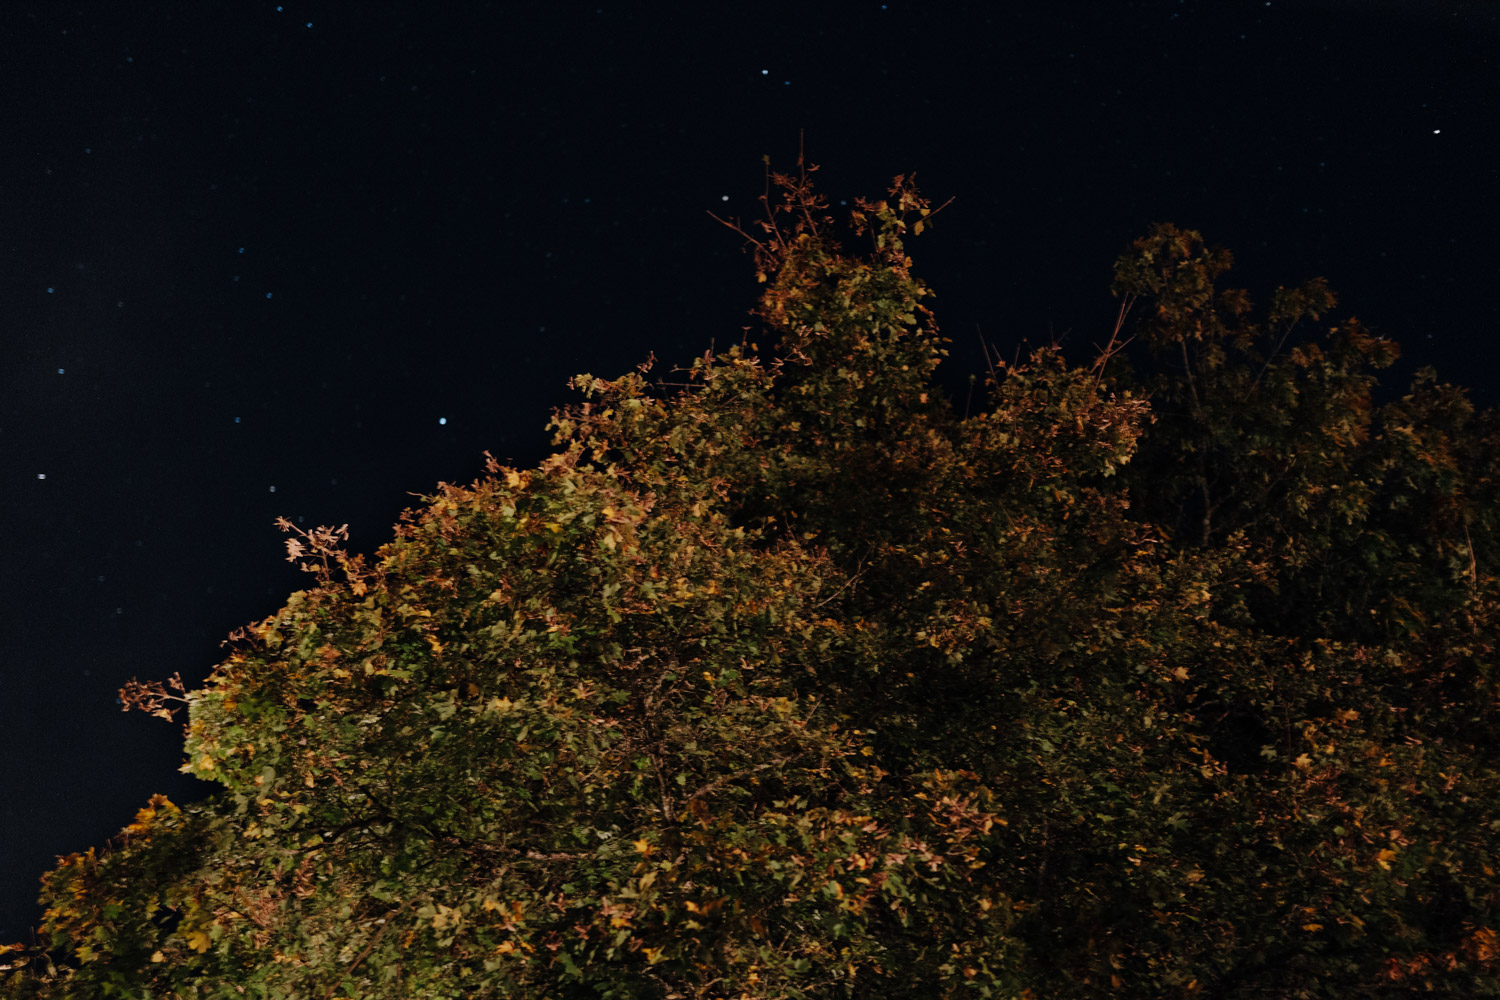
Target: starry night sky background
{"x": 306, "y": 260}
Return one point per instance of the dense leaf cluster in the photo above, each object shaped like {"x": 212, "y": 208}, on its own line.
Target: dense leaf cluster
{"x": 1168, "y": 676}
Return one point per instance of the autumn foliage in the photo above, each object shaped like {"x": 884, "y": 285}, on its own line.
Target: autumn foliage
{"x": 1166, "y": 676}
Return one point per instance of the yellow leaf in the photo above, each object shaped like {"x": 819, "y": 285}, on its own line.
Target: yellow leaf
{"x": 198, "y": 941}
{"x": 1483, "y": 943}
{"x": 513, "y": 479}
{"x": 1312, "y": 928}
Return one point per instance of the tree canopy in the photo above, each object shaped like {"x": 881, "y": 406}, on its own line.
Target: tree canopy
{"x": 1169, "y": 675}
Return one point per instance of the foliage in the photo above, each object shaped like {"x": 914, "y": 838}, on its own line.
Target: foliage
{"x": 1166, "y": 681}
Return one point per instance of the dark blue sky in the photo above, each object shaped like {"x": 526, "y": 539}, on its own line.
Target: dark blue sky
{"x": 306, "y": 261}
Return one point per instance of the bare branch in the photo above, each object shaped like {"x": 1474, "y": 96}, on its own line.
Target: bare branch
{"x": 860, "y": 571}
{"x": 1110, "y": 349}
{"x": 986, "y": 350}
{"x": 737, "y": 229}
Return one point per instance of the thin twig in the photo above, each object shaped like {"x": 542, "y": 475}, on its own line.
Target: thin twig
{"x": 667, "y": 812}
{"x": 718, "y": 783}
{"x": 1274, "y": 351}
{"x": 766, "y": 200}
{"x": 389, "y": 918}
{"x": 1041, "y": 872}
{"x": 986, "y": 351}
{"x": 802, "y": 201}
{"x": 735, "y": 226}
{"x": 1110, "y": 350}
{"x": 1473, "y": 564}
{"x": 860, "y": 571}
{"x": 1192, "y": 384}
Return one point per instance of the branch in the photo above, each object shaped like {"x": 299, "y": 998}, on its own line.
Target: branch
{"x": 1473, "y": 565}
{"x": 1274, "y": 351}
{"x": 765, "y": 200}
{"x": 737, "y": 229}
{"x": 802, "y": 201}
{"x": 532, "y": 855}
{"x": 667, "y": 812}
{"x": 846, "y": 583}
{"x": 152, "y": 697}
{"x": 718, "y": 783}
{"x": 389, "y": 918}
{"x": 1110, "y": 350}
{"x": 1192, "y": 384}
{"x": 987, "y": 363}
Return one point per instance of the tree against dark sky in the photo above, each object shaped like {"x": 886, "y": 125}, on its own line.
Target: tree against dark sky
{"x": 1168, "y": 675}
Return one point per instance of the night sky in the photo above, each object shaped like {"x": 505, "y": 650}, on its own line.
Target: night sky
{"x": 307, "y": 260}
